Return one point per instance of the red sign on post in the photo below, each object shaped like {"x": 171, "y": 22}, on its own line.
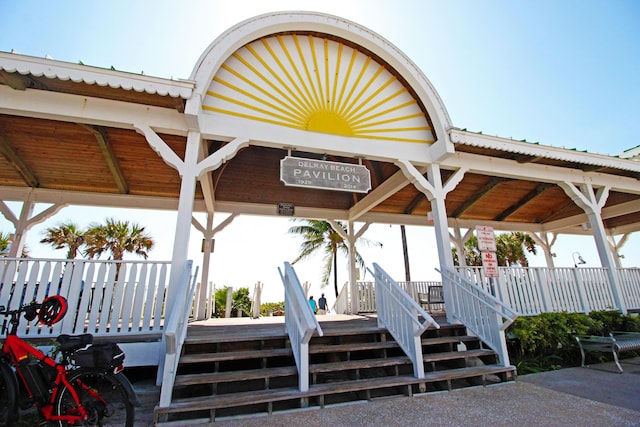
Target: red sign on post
{"x": 490, "y": 264}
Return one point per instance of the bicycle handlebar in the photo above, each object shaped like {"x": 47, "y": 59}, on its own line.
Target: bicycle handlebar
{"x": 24, "y": 308}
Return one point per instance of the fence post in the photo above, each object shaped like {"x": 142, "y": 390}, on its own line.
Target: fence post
{"x": 543, "y": 285}
{"x": 580, "y": 289}
{"x": 227, "y": 310}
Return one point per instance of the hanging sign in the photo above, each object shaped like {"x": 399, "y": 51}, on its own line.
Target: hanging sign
{"x": 324, "y": 175}
{"x": 486, "y": 238}
{"x": 490, "y": 264}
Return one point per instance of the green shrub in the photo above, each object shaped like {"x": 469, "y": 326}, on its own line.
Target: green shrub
{"x": 547, "y": 341}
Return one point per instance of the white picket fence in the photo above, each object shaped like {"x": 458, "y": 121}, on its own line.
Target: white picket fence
{"x": 367, "y": 295}
{"x": 105, "y": 298}
{"x": 531, "y": 291}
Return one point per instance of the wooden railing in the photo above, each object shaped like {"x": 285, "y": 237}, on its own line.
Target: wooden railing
{"x": 398, "y": 312}
{"x": 531, "y": 291}
{"x": 176, "y": 331}
{"x": 483, "y": 314}
{"x": 105, "y": 298}
{"x": 300, "y": 323}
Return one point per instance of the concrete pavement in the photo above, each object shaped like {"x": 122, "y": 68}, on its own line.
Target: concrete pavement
{"x": 594, "y": 396}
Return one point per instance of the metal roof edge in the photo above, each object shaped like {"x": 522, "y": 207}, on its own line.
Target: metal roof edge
{"x": 50, "y": 68}
{"x": 464, "y": 137}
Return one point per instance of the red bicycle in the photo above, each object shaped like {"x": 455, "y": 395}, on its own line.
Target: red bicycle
{"x": 85, "y": 387}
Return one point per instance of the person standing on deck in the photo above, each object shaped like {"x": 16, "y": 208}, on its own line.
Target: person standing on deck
{"x": 313, "y": 305}
{"x": 323, "y": 308}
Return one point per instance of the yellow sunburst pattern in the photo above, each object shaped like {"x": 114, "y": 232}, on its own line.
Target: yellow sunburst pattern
{"x": 316, "y": 84}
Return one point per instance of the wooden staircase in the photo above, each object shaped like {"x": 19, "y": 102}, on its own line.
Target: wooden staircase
{"x": 244, "y": 370}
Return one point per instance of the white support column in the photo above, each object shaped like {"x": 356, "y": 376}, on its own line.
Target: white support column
{"x": 592, "y": 202}
{"x": 208, "y": 233}
{"x": 459, "y": 241}
{"x": 189, "y": 173}
{"x": 542, "y": 239}
{"x": 615, "y": 247}
{"x": 23, "y": 223}
{"x": 351, "y": 237}
{"x": 204, "y": 297}
{"x": 436, "y": 192}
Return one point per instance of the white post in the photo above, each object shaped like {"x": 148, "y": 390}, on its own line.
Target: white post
{"x": 183, "y": 221}
{"x": 25, "y": 222}
{"x": 228, "y": 305}
{"x": 257, "y": 297}
{"x": 204, "y": 294}
{"x": 353, "y": 281}
{"x": 592, "y": 202}
{"x": 542, "y": 240}
{"x": 459, "y": 240}
{"x": 615, "y": 247}
{"x": 436, "y": 192}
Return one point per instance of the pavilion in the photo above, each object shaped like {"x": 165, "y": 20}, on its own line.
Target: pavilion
{"x": 292, "y": 87}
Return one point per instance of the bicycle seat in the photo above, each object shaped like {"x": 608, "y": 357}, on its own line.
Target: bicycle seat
{"x": 73, "y": 342}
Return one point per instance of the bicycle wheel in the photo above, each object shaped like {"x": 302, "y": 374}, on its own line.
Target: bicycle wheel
{"x": 111, "y": 408}
{"x": 8, "y": 410}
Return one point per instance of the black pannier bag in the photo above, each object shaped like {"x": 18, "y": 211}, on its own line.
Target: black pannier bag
{"x": 106, "y": 355}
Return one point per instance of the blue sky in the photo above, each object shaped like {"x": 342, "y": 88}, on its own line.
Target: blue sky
{"x": 562, "y": 73}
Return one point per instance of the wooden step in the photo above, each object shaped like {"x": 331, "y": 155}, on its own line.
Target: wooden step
{"x": 235, "y": 355}
{"x": 460, "y": 373}
{"x": 450, "y": 355}
{"x": 358, "y": 364}
{"x": 449, "y": 340}
{"x": 357, "y": 346}
{"x": 244, "y": 375}
{"x": 265, "y": 396}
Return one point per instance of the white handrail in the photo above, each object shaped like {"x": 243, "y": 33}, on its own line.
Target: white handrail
{"x": 483, "y": 314}
{"x": 300, "y": 323}
{"x": 175, "y": 333}
{"x": 398, "y": 312}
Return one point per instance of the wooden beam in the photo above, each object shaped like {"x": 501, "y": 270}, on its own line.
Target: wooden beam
{"x": 110, "y": 156}
{"x": 16, "y": 161}
{"x": 490, "y": 185}
{"x": 414, "y": 203}
{"x": 541, "y": 188}
{"x": 14, "y": 80}
{"x": 525, "y": 158}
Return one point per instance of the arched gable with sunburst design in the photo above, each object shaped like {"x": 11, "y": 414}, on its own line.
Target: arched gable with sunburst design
{"x": 317, "y": 73}
{"x": 311, "y": 82}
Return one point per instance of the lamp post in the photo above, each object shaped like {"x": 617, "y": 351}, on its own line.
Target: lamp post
{"x": 579, "y": 261}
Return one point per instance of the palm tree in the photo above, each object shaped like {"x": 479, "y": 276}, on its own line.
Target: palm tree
{"x": 117, "y": 237}
{"x": 5, "y": 240}
{"x": 512, "y": 247}
{"x": 65, "y": 235}
{"x": 318, "y": 235}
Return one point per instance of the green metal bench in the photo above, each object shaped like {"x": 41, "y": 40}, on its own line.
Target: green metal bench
{"x": 616, "y": 343}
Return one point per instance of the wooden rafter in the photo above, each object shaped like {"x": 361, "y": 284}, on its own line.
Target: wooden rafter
{"x": 525, "y": 158}
{"x": 541, "y": 188}
{"x": 490, "y": 185}
{"x": 16, "y": 161}
{"x": 15, "y": 80}
{"x": 110, "y": 157}
{"x": 414, "y": 203}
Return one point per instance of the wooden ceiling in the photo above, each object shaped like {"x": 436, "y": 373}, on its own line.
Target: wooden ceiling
{"x": 76, "y": 157}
